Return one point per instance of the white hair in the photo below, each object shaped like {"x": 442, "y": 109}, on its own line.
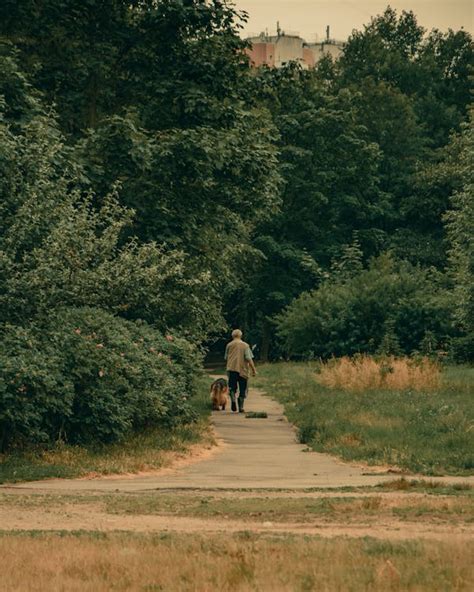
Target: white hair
{"x": 236, "y": 333}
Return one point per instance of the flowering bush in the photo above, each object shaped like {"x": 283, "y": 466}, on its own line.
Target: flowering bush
{"x": 86, "y": 376}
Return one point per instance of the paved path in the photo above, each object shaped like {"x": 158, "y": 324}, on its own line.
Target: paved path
{"x": 254, "y": 453}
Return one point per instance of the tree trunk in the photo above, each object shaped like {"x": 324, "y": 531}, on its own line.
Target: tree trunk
{"x": 92, "y": 95}
{"x": 266, "y": 339}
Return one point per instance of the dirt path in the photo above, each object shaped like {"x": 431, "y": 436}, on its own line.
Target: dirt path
{"x": 252, "y": 454}
{"x": 83, "y": 517}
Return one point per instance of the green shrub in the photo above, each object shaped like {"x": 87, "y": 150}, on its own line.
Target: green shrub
{"x": 35, "y": 396}
{"x": 389, "y": 306}
{"x": 86, "y": 376}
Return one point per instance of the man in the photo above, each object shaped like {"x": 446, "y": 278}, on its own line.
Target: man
{"x": 239, "y": 358}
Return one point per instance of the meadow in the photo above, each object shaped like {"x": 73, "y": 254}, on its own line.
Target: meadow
{"x": 379, "y": 415}
{"x": 243, "y": 562}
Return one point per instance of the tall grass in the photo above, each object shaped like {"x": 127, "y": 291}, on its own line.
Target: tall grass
{"x": 366, "y": 373}
{"x": 240, "y": 563}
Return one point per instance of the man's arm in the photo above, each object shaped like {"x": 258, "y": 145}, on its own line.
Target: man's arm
{"x": 249, "y": 360}
{"x": 252, "y": 367}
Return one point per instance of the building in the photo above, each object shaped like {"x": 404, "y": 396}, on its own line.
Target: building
{"x": 277, "y": 50}
{"x": 321, "y": 49}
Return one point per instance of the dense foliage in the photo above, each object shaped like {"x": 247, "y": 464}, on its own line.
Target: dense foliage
{"x": 369, "y": 151}
{"x": 391, "y": 307}
{"x": 84, "y": 375}
{"x": 460, "y": 225}
{"x": 152, "y": 95}
{"x": 79, "y": 361}
{"x": 152, "y": 184}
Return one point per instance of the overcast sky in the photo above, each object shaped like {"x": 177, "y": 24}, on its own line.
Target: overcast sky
{"x": 310, "y": 17}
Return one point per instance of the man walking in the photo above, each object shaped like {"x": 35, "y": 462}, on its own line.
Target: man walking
{"x": 239, "y": 358}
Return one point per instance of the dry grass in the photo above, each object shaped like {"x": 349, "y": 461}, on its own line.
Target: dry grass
{"x": 148, "y": 451}
{"x": 237, "y": 563}
{"x": 315, "y": 509}
{"x": 364, "y": 373}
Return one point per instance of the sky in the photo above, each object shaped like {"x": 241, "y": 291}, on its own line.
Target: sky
{"x": 310, "y": 17}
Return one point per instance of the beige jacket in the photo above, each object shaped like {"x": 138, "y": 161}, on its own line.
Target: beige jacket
{"x": 238, "y": 354}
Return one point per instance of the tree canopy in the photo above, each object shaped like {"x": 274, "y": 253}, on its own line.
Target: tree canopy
{"x": 155, "y": 190}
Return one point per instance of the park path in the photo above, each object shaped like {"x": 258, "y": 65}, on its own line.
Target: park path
{"x": 252, "y": 454}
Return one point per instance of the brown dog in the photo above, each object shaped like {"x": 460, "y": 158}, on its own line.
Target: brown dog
{"x": 219, "y": 390}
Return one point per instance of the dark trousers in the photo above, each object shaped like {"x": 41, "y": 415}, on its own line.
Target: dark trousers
{"x": 236, "y": 380}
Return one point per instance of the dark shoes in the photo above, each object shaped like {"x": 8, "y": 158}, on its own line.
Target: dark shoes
{"x": 233, "y": 404}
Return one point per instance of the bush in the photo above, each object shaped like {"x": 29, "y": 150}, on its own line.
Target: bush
{"x": 390, "y": 308}
{"x": 35, "y": 396}
{"x": 88, "y": 377}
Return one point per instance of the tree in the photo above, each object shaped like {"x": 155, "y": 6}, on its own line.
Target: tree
{"x": 330, "y": 192}
{"x": 56, "y": 249}
{"x": 72, "y": 49}
{"x": 460, "y": 228}
{"x": 174, "y": 60}
{"x": 444, "y": 96}
{"x": 385, "y": 51}
{"x": 161, "y": 88}
{"x": 413, "y": 92}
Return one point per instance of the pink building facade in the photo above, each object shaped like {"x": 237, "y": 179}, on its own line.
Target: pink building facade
{"x": 278, "y": 50}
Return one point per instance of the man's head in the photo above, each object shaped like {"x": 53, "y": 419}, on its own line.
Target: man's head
{"x": 236, "y": 334}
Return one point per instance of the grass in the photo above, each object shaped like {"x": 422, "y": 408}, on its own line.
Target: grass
{"x": 146, "y": 451}
{"x": 426, "y": 431}
{"x": 301, "y": 510}
{"x": 427, "y": 487}
{"x": 364, "y": 373}
{"x": 342, "y": 508}
{"x": 237, "y": 563}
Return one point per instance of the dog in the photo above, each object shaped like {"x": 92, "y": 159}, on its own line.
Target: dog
{"x": 219, "y": 390}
